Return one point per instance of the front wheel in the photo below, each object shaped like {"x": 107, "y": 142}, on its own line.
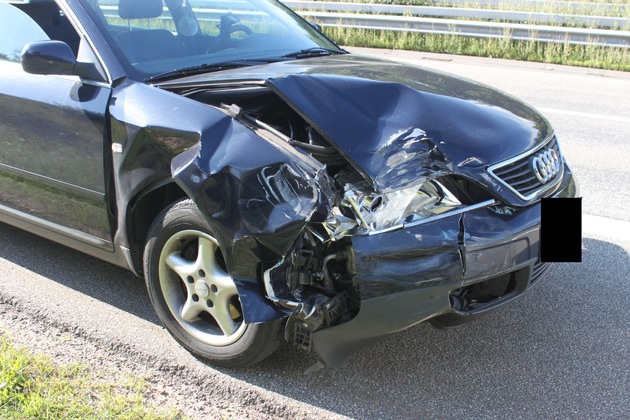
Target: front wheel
{"x": 194, "y": 295}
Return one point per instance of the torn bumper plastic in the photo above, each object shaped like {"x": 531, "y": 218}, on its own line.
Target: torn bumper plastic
{"x": 418, "y": 273}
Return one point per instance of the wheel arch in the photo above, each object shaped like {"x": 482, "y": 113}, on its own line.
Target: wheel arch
{"x": 142, "y": 212}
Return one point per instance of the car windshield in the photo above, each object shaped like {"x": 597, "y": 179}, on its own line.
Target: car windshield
{"x": 166, "y": 39}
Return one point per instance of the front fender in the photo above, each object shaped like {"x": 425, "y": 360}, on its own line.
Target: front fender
{"x": 256, "y": 193}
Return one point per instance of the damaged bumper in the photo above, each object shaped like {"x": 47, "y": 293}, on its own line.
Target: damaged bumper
{"x": 447, "y": 270}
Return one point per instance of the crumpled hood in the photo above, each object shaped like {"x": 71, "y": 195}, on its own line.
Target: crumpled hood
{"x": 397, "y": 123}
{"x": 400, "y": 123}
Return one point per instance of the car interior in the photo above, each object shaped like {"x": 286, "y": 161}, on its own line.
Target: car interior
{"x": 140, "y": 45}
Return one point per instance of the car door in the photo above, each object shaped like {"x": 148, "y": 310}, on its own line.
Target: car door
{"x": 52, "y": 132}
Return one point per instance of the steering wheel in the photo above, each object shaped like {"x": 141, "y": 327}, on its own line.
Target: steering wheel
{"x": 240, "y": 28}
{"x": 229, "y": 24}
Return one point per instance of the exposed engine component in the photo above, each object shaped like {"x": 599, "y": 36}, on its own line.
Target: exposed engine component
{"x": 260, "y": 107}
{"x": 331, "y": 312}
{"x": 316, "y": 283}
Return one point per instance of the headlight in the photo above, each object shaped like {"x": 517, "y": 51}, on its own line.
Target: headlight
{"x": 381, "y": 212}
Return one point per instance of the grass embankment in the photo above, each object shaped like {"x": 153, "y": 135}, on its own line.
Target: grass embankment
{"x": 545, "y": 52}
{"x": 608, "y": 8}
{"x": 610, "y": 58}
{"x": 34, "y": 387}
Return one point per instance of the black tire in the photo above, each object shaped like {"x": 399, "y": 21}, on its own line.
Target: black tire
{"x": 195, "y": 297}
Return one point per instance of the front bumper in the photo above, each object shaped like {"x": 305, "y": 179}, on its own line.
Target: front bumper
{"x": 416, "y": 274}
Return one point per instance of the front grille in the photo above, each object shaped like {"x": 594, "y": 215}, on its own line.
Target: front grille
{"x": 519, "y": 176}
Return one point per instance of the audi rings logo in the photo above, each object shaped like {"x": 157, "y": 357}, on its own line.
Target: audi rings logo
{"x": 546, "y": 165}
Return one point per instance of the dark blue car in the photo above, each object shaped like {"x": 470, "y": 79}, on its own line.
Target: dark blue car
{"x": 268, "y": 185}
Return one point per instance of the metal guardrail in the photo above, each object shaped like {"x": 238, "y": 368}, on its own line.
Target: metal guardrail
{"x": 460, "y": 27}
{"x": 536, "y": 4}
{"x": 458, "y": 12}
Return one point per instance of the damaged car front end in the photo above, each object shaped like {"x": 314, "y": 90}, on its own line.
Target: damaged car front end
{"x": 425, "y": 205}
{"x": 292, "y": 190}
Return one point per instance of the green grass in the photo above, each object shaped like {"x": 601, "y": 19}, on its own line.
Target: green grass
{"x": 601, "y": 8}
{"x": 555, "y": 53}
{"x": 34, "y": 387}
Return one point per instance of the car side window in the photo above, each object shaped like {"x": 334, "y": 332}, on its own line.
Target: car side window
{"x": 16, "y": 30}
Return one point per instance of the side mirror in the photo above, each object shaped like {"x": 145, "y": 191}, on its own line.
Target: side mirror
{"x": 56, "y": 57}
{"x": 48, "y": 57}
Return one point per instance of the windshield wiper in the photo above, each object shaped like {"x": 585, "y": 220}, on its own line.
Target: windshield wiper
{"x": 314, "y": 52}
{"x": 205, "y": 68}
{"x": 208, "y": 68}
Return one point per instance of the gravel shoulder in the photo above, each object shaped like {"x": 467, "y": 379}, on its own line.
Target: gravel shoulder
{"x": 170, "y": 384}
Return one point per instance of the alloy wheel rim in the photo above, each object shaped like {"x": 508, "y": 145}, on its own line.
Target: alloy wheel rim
{"x": 199, "y": 293}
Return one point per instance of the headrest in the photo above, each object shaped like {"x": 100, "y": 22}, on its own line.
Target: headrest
{"x": 139, "y": 9}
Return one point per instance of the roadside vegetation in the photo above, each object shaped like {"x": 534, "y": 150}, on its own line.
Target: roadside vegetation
{"x": 608, "y": 58}
{"x": 592, "y": 56}
{"x": 609, "y": 8}
{"x": 35, "y": 387}
{"x": 574, "y": 14}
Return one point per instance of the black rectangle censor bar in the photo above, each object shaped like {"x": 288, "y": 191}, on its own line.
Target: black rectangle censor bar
{"x": 561, "y": 230}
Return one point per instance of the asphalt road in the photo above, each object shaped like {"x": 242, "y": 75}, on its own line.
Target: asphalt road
{"x": 563, "y": 350}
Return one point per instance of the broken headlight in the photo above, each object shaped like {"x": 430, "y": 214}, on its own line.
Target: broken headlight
{"x": 368, "y": 212}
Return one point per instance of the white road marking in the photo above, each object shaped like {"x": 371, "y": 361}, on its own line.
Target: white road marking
{"x": 583, "y": 114}
{"x": 603, "y": 226}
